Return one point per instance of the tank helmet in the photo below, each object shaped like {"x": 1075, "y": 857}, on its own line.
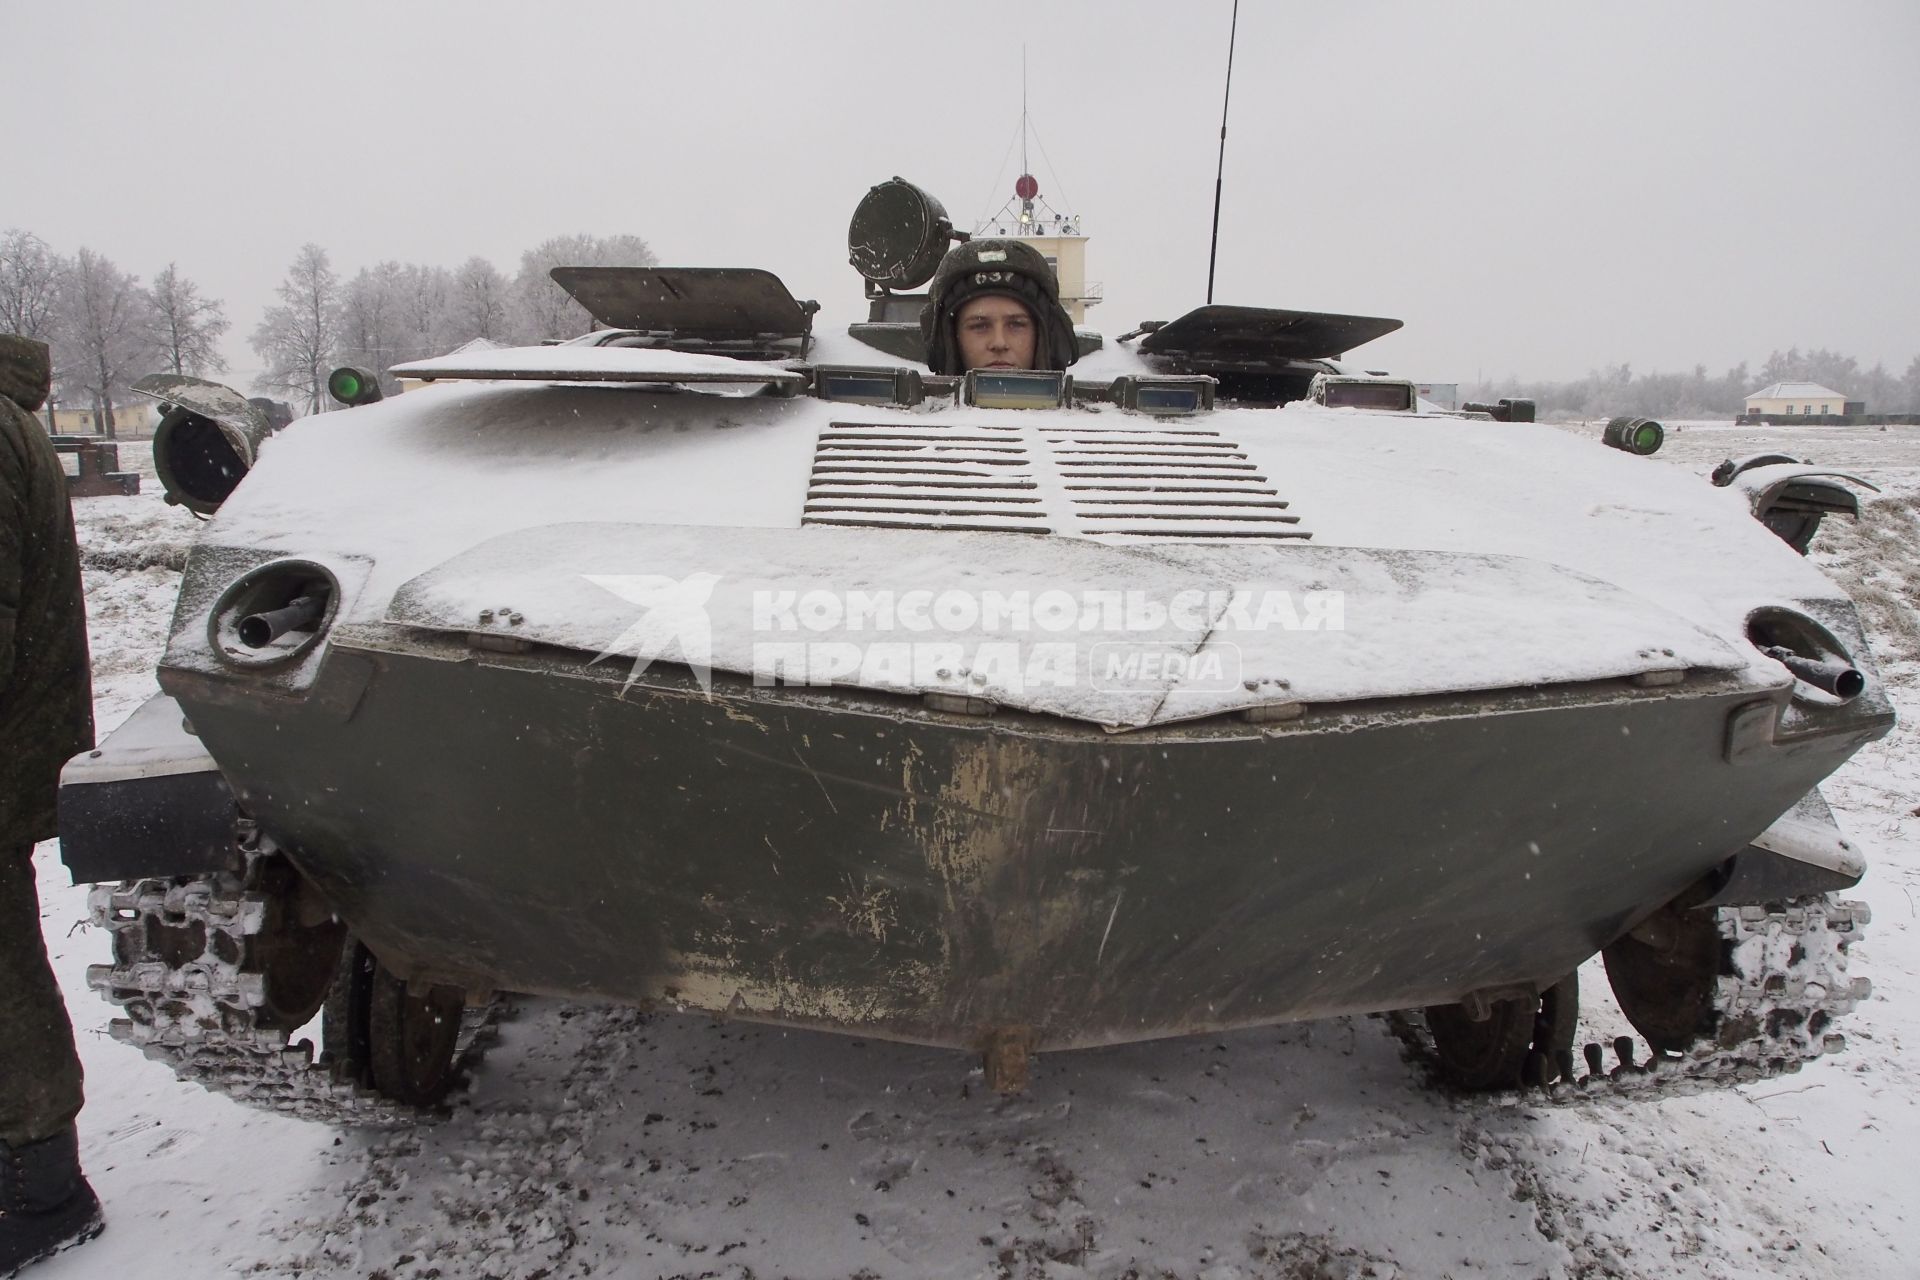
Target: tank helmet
{"x": 1008, "y": 268}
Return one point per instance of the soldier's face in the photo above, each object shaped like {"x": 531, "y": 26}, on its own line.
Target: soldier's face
{"x": 995, "y": 332}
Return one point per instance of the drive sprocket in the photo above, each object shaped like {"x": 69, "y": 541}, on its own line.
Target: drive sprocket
{"x": 214, "y": 974}
{"x": 1753, "y": 991}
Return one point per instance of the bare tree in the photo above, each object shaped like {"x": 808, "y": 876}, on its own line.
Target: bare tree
{"x": 298, "y": 338}
{"x": 480, "y": 304}
{"x": 1828, "y": 368}
{"x": 29, "y": 291}
{"x": 186, "y": 327}
{"x": 29, "y": 284}
{"x": 1878, "y": 389}
{"x": 542, "y": 308}
{"x": 102, "y": 332}
{"x": 373, "y": 330}
{"x": 424, "y": 294}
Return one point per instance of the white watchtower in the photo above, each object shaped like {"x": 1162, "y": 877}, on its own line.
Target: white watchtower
{"x": 1056, "y": 235}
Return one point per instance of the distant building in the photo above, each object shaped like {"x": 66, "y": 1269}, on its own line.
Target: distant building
{"x": 1796, "y": 398}
{"x": 1056, "y": 235}
{"x": 85, "y": 422}
{"x": 1444, "y": 395}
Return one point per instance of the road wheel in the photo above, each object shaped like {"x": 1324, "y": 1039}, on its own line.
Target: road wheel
{"x": 298, "y": 953}
{"x": 1488, "y": 1054}
{"x": 1664, "y": 975}
{"x": 404, "y": 1044}
{"x": 1496, "y": 1052}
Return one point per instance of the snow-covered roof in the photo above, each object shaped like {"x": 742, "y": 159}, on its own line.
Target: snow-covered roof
{"x": 1796, "y": 391}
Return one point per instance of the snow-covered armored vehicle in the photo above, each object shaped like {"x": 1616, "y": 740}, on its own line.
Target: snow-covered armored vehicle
{"x": 717, "y": 663}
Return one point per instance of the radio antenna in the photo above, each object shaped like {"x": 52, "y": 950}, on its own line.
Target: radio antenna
{"x": 1023, "y": 107}
{"x": 1213, "y": 248}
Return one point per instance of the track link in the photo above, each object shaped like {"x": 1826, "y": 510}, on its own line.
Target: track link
{"x": 1776, "y": 1009}
{"x": 192, "y": 1000}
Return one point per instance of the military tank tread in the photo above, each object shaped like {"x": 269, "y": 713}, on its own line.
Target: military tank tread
{"x": 207, "y": 1015}
{"x": 1787, "y": 983}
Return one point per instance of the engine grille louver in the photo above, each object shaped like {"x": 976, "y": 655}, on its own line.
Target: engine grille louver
{"x": 1124, "y": 482}
{"x": 913, "y": 477}
{"x": 1189, "y": 483}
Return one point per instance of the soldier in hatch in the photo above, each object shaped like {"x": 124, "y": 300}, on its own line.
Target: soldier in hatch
{"x": 994, "y": 304}
{"x": 46, "y": 716}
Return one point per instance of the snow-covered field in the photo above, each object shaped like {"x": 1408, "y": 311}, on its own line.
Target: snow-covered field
{"x": 605, "y": 1142}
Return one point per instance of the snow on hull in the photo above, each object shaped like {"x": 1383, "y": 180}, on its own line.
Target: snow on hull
{"x": 1125, "y": 637}
{"x": 1435, "y": 534}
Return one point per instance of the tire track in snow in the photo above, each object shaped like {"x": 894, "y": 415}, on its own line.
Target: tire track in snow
{"x": 491, "y": 1191}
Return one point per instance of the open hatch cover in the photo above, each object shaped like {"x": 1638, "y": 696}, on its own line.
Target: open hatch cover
{"x": 567, "y": 363}
{"x": 1253, "y": 336}
{"x": 239, "y": 419}
{"x": 716, "y": 303}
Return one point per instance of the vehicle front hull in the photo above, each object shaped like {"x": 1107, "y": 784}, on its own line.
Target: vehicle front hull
{"x": 864, "y": 864}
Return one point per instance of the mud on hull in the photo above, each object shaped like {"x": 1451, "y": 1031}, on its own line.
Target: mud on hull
{"x": 866, "y": 865}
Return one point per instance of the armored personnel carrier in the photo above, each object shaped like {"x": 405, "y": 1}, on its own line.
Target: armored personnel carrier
{"x": 716, "y": 662}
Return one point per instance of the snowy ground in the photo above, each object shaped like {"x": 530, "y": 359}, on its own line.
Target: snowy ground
{"x": 604, "y": 1142}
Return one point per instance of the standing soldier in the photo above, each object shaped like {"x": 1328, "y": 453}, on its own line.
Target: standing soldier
{"x": 46, "y": 717}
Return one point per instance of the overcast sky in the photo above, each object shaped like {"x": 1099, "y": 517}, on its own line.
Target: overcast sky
{"x": 1534, "y": 188}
